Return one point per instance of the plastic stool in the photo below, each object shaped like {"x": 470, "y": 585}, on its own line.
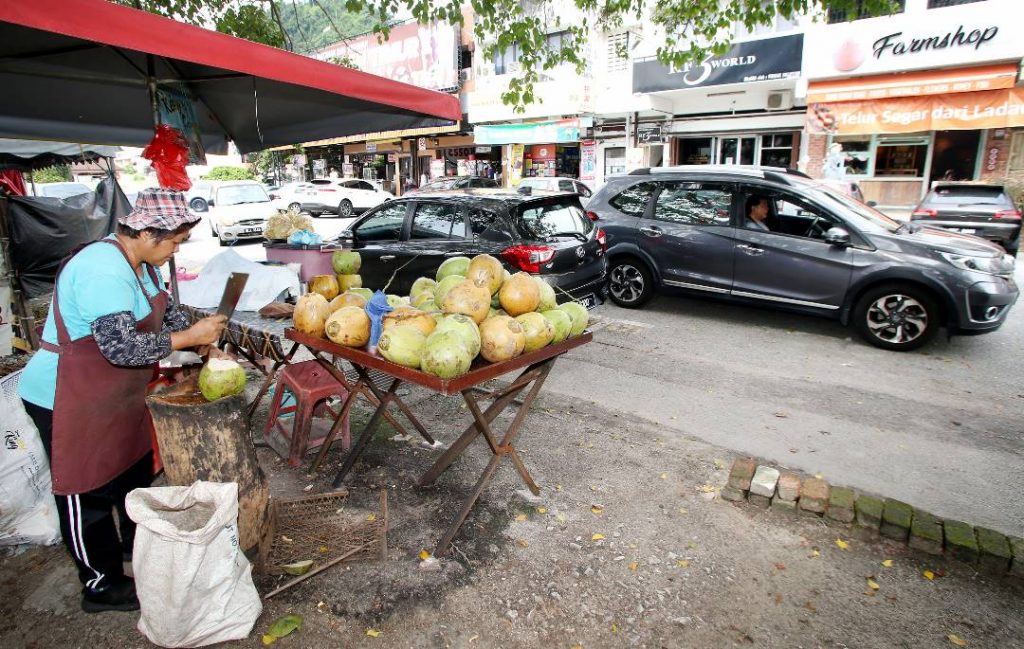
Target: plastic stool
{"x": 311, "y": 385}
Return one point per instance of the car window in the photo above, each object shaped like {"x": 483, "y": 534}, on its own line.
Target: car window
{"x": 362, "y": 184}
{"x": 554, "y": 219}
{"x": 488, "y": 182}
{"x": 583, "y": 190}
{"x": 241, "y": 195}
{"x": 566, "y": 186}
{"x": 321, "y": 181}
{"x": 438, "y": 221}
{"x": 385, "y": 225}
{"x": 693, "y": 204}
{"x": 485, "y": 224}
{"x": 633, "y": 200}
{"x": 967, "y": 195}
{"x": 796, "y": 216}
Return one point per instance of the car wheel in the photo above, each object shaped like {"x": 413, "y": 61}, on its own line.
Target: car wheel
{"x": 345, "y": 208}
{"x": 222, "y": 242}
{"x": 897, "y": 317}
{"x": 198, "y": 205}
{"x": 629, "y": 282}
{"x": 295, "y": 207}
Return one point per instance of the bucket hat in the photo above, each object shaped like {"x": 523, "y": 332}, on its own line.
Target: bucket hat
{"x": 162, "y": 209}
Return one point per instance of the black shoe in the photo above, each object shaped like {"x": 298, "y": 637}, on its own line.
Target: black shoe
{"x": 118, "y": 596}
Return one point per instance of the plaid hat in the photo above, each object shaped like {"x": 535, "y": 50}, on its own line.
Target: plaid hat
{"x": 163, "y": 209}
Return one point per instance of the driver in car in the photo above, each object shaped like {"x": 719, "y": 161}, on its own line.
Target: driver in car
{"x": 757, "y": 212}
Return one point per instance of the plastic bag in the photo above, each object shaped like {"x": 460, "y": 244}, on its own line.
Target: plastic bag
{"x": 169, "y": 152}
{"x": 194, "y": 584}
{"x": 305, "y": 238}
{"x": 377, "y": 308}
{"x": 28, "y": 515}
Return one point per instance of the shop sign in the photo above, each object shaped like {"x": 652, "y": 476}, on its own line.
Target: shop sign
{"x": 421, "y": 144}
{"x": 649, "y": 135}
{"x": 371, "y": 147}
{"x": 515, "y": 164}
{"x": 563, "y": 97}
{"x": 914, "y": 40}
{"x": 437, "y": 167}
{"x": 392, "y": 157}
{"x": 763, "y": 60}
{"x": 965, "y": 111}
{"x": 483, "y": 149}
{"x": 588, "y": 160}
{"x": 913, "y": 84}
{"x": 566, "y": 130}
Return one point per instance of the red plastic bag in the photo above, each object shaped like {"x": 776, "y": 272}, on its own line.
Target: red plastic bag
{"x": 169, "y": 152}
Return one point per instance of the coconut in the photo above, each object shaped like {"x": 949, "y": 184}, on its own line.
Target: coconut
{"x": 326, "y": 285}
{"x": 349, "y": 282}
{"x": 486, "y": 269}
{"x": 539, "y": 331}
{"x": 395, "y": 301}
{"x": 561, "y": 321}
{"x": 408, "y": 316}
{"x": 501, "y": 339}
{"x": 445, "y": 355}
{"x": 416, "y": 299}
{"x": 453, "y": 266}
{"x": 402, "y": 345}
{"x": 346, "y": 262}
{"x": 349, "y": 326}
{"x": 311, "y": 312}
{"x": 496, "y": 300}
{"x": 579, "y": 316}
{"x": 468, "y": 298}
{"x": 422, "y": 285}
{"x": 445, "y": 285}
{"x": 348, "y": 298}
{"x": 221, "y": 377}
{"x": 465, "y": 327}
{"x": 365, "y": 292}
{"x": 429, "y": 306}
{"x": 519, "y": 294}
{"x": 547, "y": 295}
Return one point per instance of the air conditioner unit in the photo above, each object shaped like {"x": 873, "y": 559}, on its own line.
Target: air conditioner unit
{"x": 780, "y": 100}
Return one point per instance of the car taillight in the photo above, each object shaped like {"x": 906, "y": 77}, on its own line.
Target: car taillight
{"x": 925, "y": 212}
{"x": 593, "y": 216}
{"x": 528, "y": 258}
{"x": 1007, "y": 214}
{"x": 327, "y": 189}
{"x": 602, "y": 239}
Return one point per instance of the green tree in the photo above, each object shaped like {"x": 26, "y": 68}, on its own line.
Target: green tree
{"x": 229, "y": 173}
{"x": 55, "y": 174}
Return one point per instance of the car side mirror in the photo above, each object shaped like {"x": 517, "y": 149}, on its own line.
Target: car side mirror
{"x": 837, "y": 237}
{"x": 872, "y": 203}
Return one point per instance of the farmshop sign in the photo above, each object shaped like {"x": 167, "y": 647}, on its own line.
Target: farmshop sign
{"x": 896, "y": 45}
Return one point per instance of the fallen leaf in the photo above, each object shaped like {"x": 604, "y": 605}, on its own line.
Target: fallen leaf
{"x": 560, "y": 518}
{"x": 719, "y": 464}
{"x": 664, "y": 476}
{"x": 282, "y": 626}
{"x": 520, "y": 518}
{"x": 371, "y": 517}
{"x": 872, "y": 584}
{"x": 819, "y": 476}
{"x": 682, "y": 510}
{"x": 778, "y": 599}
{"x": 323, "y": 549}
{"x": 298, "y": 567}
{"x": 633, "y": 566}
{"x": 706, "y": 488}
{"x": 843, "y": 545}
{"x": 424, "y": 555}
{"x": 542, "y": 510}
{"x": 780, "y": 566}
{"x": 593, "y": 487}
{"x": 929, "y": 575}
{"x": 683, "y": 563}
{"x": 810, "y": 606}
{"x": 558, "y": 487}
{"x": 870, "y": 593}
{"x": 781, "y": 415}
{"x": 373, "y": 633}
{"x": 814, "y": 553}
{"x": 523, "y": 543}
{"x": 269, "y": 639}
{"x": 887, "y": 563}
{"x": 615, "y": 628}
{"x": 285, "y": 539}
{"x": 957, "y": 640}
{"x": 597, "y": 537}
{"x": 691, "y": 546}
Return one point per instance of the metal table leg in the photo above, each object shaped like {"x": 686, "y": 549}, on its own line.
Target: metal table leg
{"x": 269, "y": 378}
{"x": 366, "y": 435}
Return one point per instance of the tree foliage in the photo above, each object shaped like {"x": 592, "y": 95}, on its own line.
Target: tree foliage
{"x": 230, "y": 173}
{"x": 54, "y": 174}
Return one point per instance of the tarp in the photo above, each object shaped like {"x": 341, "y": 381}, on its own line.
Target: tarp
{"x": 78, "y": 70}
{"x": 44, "y": 230}
{"x": 28, "y": 155}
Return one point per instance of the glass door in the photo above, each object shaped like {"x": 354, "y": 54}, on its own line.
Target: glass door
{"x": 737, "y": 150}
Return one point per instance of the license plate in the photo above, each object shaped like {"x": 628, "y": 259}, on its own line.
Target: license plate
{"x": 965, "y": 230}
{"x": 588, "y": 301}
{"x": 251, "y": 230}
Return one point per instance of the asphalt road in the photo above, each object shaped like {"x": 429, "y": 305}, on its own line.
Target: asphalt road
{"x": 940, "y": 428}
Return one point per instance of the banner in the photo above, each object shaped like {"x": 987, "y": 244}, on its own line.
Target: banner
{"x": 966, "y": 111}
{"x": 566, "y": 130}
{"x": 588, "y": 160}
{"x": 515, "y": 164}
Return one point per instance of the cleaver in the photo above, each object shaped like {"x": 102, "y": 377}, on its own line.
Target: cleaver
{"x": 232, "y": 293}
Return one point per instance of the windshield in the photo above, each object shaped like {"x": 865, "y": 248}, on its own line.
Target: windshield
{"x": 967, "y": 195}
{"x": 241, "y": 194}
{"x": 555, "y": 219}
{"x": 870, "y": 218}
{"x": 445, "y": 183}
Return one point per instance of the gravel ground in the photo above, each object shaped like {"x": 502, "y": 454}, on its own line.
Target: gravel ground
{"x": 676, "y": 567}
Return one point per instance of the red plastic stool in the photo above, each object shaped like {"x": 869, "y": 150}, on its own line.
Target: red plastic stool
{"x": 312, "y": 385}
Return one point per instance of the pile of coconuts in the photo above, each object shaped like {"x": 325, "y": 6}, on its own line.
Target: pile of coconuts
{"x": 472, "y": 307}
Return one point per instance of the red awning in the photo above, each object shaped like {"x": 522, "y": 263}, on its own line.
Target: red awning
{"x": 77, "y": 70}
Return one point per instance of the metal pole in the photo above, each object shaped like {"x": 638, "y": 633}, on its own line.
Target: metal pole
{"x": 172, "y": 266}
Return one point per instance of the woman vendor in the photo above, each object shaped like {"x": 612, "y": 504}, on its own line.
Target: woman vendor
{"x": 109, "y": 325}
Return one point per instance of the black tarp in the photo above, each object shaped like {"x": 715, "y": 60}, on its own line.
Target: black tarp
{"x": 29, "y": 155}
{"x": 44, "y": 230}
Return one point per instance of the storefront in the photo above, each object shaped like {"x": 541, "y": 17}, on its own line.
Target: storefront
{"x": 537, "y": 148}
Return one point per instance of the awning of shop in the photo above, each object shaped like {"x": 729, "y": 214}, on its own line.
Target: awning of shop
{"x": 385, "y": 135}
{"x": 563, "y": 130}
{"x": 914, "y": 84}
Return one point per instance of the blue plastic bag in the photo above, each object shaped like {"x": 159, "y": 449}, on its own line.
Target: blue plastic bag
{"x": 305, "y": 238}
{"x": 377, "y": 308}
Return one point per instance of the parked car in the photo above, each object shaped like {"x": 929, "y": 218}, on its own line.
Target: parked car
{"x": 289, "y": 195}
{"x": 198, "y": 195}
{"x": 555, "y": 184}
{"x": 821, "y": 252}
{"x": 982, "y": 209}
{"x": 457, "y": 182}
{"x": 341, "y": 196}
{"x": 549, "y": 236}
{"x": 239, "y": 210}
{"x": 62, "y": 190}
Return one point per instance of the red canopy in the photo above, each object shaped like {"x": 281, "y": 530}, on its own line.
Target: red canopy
{"x": 78, "y": 70}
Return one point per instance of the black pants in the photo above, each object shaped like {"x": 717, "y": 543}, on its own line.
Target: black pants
{"x": 87, "y": 519}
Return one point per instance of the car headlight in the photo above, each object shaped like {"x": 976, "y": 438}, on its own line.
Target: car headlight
{"x": 992, "y": 265}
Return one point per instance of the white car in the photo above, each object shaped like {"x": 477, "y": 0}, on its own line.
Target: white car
{"x": 556, "y": 184}
{"x": 341, "y": 196}
{"x": 289, "y": 196}
{"x": 239, "y": 210}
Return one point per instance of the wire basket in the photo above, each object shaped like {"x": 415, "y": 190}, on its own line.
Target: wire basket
{"x": 321, "y": 528}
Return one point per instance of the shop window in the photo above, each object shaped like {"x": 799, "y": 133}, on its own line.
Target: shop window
{"x": 692, "y": 204}
{"x": 901, "y": 157}
{"x": 633, "y": 200}
{"x": 508, "y": 60}
{"x": 438, "y": 221}
{"x": 857, "y": 154}
{"x": 1017, "y": 151}
{"x": 695, "y": 151}
{"x": 777, "y": 150}
{"x": 779, "y": 24}
{"x": 618, "y": 52}
{"x": 614, "y": 161}
{"x": 859, "y": 11}
{"x": 938, "y": 4}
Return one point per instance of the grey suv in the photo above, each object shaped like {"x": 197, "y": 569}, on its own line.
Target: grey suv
{"x": 773, "y": 236}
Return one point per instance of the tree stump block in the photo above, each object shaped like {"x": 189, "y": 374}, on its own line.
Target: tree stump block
{"x": 209, "y": 440}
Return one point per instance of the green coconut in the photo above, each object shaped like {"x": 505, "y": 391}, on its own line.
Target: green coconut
{"x": 422, "y": 285}
{"x": 538, "y": 329}
{"x": 547, "y": 295}
{"x": 416, "y": 299}
{"x": 365, "y": 292}
{"x": 453, "y": 266}
{"x": 346, "y": 262}
{"x": 579, "y": 316}
{"x": 402, "y": 345}
{"x": 445, "y": 285}
{"x": 397, "y": 300}
{"x": 465, "y": 327}
{"x": 561, "y": 321}
{"x": 221, "y": 377}
{"x": 445, "y": 355}
{"x": 428, "y": 306}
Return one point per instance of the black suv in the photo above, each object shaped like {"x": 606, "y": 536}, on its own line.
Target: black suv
{"x": 550, "y": 236}
{"x": 972, "y": 208}
{"x": 775, "y": 237}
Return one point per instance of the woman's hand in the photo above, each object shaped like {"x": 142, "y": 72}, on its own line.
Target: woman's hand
{"x": 204, "y": 332}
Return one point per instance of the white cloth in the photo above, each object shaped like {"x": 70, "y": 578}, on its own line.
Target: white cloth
{"x": 264, "y": 285}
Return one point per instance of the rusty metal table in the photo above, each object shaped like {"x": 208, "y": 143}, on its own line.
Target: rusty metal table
{"x": 535, "y": 368}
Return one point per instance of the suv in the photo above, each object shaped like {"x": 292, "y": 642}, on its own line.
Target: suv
{"x": 972, "y": 208}
{"x": 457, "y": 182}
{"x": 550, "y": 236}
{"x": 555, "y": 184}
{"x": 773, "y": 236}
{"x": 341, "y": 196}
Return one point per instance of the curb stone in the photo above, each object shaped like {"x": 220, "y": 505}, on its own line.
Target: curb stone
{"x": 1017, "y": 549}
{"x": 926, "y": 533}
{"x": 896, "y": 519}
{"x": 994, "y": 550}
{"x": 869, "y": 512}
{"x": 960, "y": 541}
{"x": 840, "y": 504}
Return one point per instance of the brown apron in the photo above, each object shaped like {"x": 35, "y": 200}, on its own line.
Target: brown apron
{"x": 101, "y": 424}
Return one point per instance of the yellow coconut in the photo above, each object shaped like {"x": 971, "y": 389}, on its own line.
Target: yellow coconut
{"x": 349, "y": 326}
{"x": 311, "y": 312}
{"x": 519, "y": 294}
{"x": 486, "y": 269}
{"x": 501, "y": 339}
{"x": 468, "y": 298}
{"x": 348, "y": 299}
{"x": 326, "y": 285}
{"x": 348, "y": 282}
{"x": 408, "y": 316}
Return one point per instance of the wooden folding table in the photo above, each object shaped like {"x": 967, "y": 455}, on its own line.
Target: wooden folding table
{"x": 535, "y": 368}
